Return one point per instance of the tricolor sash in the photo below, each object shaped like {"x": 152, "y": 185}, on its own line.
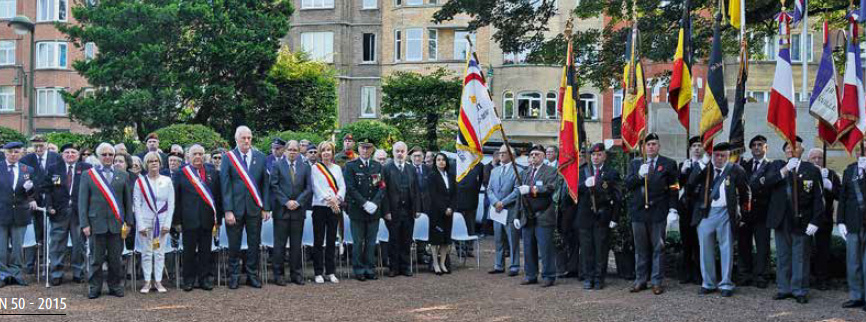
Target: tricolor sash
{"x": 103, "y": 187}
{"x": 150, "y": 200}
{"x": 332, "y": 182}
{"x": 245, "y": 177}
{"x": 202, "y": 189}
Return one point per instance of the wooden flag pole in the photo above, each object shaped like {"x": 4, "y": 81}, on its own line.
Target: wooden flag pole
{"x": 632, "y": 79}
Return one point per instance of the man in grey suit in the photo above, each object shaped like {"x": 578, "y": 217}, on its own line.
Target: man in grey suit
{"x": 537, "y": 219}
{"x": 246, "y": 193}
{"x": 102, "y": 214}
{"x": 292, "y": 189}
{"x": 502, "y": 192}
{"x": 16, "y": 199}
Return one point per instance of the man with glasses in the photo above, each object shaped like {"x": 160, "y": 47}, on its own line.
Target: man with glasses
{"x": 216, "y": 158}
{"x": 39, "y": 161}
{"x": 312, "y": 155}
{"x": 537, "y": 218}
{"x": 752, "y": 231}
{"x": 291, "y": 183}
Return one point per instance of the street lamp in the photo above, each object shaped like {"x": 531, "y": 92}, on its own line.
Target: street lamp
{"x": 22, "y": 25}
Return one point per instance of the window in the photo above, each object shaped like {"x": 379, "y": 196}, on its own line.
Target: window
{"x": 89, "y": 51}
{"x": 7, "y": 9}
{"x": 320, "y": 45}
{"x": 369, "y": 4}
{"x": 432, "y": 44}
{"x": 432, "y": 2}
{"x": 550, "y": 105}
{"x": 7, "y": 98}
{"x": 508, "y": 105}
{"x": 759, "y": 96}
{"x": 589, "y": 105}
{"x": 414, "y": 2}
{"x": 51, "y": 10}
{"x": 317, "y": 4}
{"x": 617, "y": 103}
{"x": 398, "y": 41}
{"x": 414, "y": 44}
{"x": 795, "y": 48}
{"x": 460, "y": 44}
{"x": 49, "y": 102}
{"x": 770, "y": 48}
{"x": 369, "y": 48}
{"x": 529, "y": 105}
{"x": 51, "y": 55}
{"x": 368, "y": 101}
{"x": 398, "y": 3}
{"x": 7, "y": 52}
{"x": 515, "y": 58}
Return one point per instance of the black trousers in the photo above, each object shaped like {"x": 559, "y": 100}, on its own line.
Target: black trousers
{"x": 400, "y": 241}
{"x": 104, "y": 246}
{"x": 291, "y": 231}
{"x": 594, "y": 251}
{"x": 690, "y": 265}
{"x": 325, "y": 223}
{"x": 753, "y": 267}
{"x": 253, "y": 227}
{"x": 568, "y": 254}
{"x": 197, "y": 259}
{"x": 821, "y": 251}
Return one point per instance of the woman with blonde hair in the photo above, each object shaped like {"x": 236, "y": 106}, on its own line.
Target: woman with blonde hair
{"x": 153, "y": 205}
{"x": 329, "y": 191}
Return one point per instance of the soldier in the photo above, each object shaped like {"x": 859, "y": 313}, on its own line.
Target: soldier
{"x": 348, "y": 153}
{"x": 291, "y": 183}
{"x": 365, "y": 189}
{"x": 277, "y": 147}
{"x": 690, "y": 264}
{"x": 654, "y": 186}
{"x": 597, "y": 213}
{"x": 850, "y": 218}
{"x": 152, "y": 145}
{"x": 62, "y": 200}
{"x": 16, "y": 200}
{"x": 822, "y": 238}
{"x": 39, "y": 161}
{"x": 753, "y": 229}
{"x": 537, "y": 219}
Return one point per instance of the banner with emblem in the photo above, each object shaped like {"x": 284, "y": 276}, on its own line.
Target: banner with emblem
{"x": 245, "y": 177}
{"x": 477, "y": 119}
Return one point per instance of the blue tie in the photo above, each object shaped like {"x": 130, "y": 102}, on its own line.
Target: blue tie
{"x": 244, "y": 156}
{"x": 12, "y": 176}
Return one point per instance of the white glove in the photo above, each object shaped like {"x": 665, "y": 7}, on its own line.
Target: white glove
{"x": 792, "y": 164}
{"x": 612, "y": 225}
{"x": 843, "y": 231}
{"x": 590, "y": 182}
{"x": 705, "y": 160}
{"x": 370, "y": 207}
{"x": 828, "y": 184}
{"x": 811, "y": 229}
{"x": 686, "y": 166}
{"x": 703, "y": 165}
{"x": 673, "y": 216}
{"x": 825, "y": 173}
{"x": 861, "y": 163}
{"x": 28, "y": 185}
{"x": 524, "y": 189}
{"x": 644, "y": 170}
{"x": 517, "y": 224}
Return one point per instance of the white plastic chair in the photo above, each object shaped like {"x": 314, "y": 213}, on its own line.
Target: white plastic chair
{"x": 459, "y": 232}
{"x": 30, "y": 242}
{"x": 306, "y": 240}
{"x": 267, "y": 242}
{"x": 382, "y": 237}
{"x": 347, "y": 240}
{"x": 420, "y": 233}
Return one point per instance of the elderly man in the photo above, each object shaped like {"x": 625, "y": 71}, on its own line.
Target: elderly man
{"x": 598, "y": 210}
{"x": 312, "y": 155}
{"x": 380, "y": 156}
{"x": 40, "y": 161}
{"x": 821, "y": 240}
{"x": 400, "y": 208}
{"x": 551, "y": 156}
{"x": 753, "y": 226}
{"x": 246, "y": 191}
{"x": 365, "y": 192}
{"x": 176, "y": 149}
{"x": 303, "y": 145}
{"x": 105, "y": 215}
{"x": 502, "y": 192}
{"x": 537, "y": 219}
{"x": 152, "y": 145}
{"x": 175, "y": 161}
{"x": 120, "y": 148}
{"x": 690, "y": 267}
{"x": 850, "y": 218}
{"x": 291, "y": 184}
{"x": 16, "y": 200}
{"x": 62, "y": 201}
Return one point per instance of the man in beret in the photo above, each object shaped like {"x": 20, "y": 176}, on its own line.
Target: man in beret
{"x": 722, "y": 192}
{"x": 348, "y": 153}
{"x": 753, "y": 226}
{"x": 654, "y": 187}
{"x": 598, "y": 208}
{"x": 690, "y": 267}
{"x": 216, "y": 158}
{"x": 537, "y": 219}
{"x": 850, "y": 219}
{"x": 40, "y": 160}
{"x": 62, "y": 200}
{"x": 277, "y": 147}
{"x": 796, "y": 209}
{"x": 152, "y": 145}
{"x": 17, "y": 191}
{"x": 175, "y": 161}
{"x": 311, "y": 156}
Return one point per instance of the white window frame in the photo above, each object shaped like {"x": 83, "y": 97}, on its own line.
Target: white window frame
{"x": 432, "y": 44}
{"x": 414, "y": 3}
{"x": 551, "y": 97}
{"x": 508, "y": 97}
{"x": 460, "y": 43}
{"x": 414, "y": 44}
{"x": 617, "y": 103}
{"x": 796, "y": 43}
{"x": 398, "y": 41}
{"x": 59, "y": 53}
{"x": 89, "y": 51}
{"x": 7, "y": 52}
{"x": 512, "y": 58}
{"x": 369, "y": 4}
{"x": 52, "y": 10}
{"x": 317, "y": 4}
{"x": 368, "y": 94}
{"x": 537, "y": 101}
{"x": 364, "y": 47}
{"x": 45, "y": 96}
{"x": 310, "y": 43}
{"x": 590, "y": 103}
{"x": 7, "y": 98}
{"x": 8, "y": 9}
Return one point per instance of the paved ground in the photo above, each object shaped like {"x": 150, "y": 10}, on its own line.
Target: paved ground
{"x": 467, "y": 295}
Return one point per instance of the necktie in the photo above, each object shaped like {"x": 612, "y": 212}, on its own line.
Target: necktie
{"x": 245, "y": 160}
{"x": 12, "y": 176}
{"x": 652, "y": 165}
{"x": 69, "y": 178}
{"x": 292, "y": 171}
{"x": 201, "y": 174}
{"x": 39, "y": 158}
{"x": 532, "y": 176}
{"x": 107, "y": 172}
{"x": 400, "y": 167}
{"x": 717, "y": 184}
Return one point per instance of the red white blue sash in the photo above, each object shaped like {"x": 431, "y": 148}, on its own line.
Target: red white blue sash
{"x": 149, "y": 196}
{"x": 108, "y": 193}
{"x": 202, "y": 189}
{"x": 245, "y": 177}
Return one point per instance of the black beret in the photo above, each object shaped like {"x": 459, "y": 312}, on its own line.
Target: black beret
{"x": 786, "y": 143}
{"x": 39, "y": 138}
{"x": 651, "y": 137}
{"x": 722, "y": 147}
{"x": 175, "y": 154}
{"x": 598, "y": 147}
{"x": 278, "y": 142}
{"x": 537, "y": 147}
{"x": 311, "y": 147}
{"x": 695, "y": 139}
{"x": 69, "y": 146}
{"x": 757, "y": 138}
{"x": 13, "y": 145}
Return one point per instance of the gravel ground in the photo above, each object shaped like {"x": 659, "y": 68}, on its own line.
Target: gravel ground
{"x": 469, "y": 294}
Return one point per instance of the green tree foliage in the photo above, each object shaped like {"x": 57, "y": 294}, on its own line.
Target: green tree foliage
{"x": 61, "y": 138}
{"x": 420, "y": 106}
{"x": 263, "y": 142}
{"x": 380, "y": 134}
{"x": 161, "y": 62}
{"x": 9, "y": 135}
{"x": 188, "y": 134}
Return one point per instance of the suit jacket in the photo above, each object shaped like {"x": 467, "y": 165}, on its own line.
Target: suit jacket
{"x": 402, "y": 197}
{"x": 423, "y": 185}
{"x": 191, "y": 212}
{"x": 39, "y": 174}
{"x": 236, "y": 197}
{"x": 468, "y": 190}
{"x": 541, "y": 211}
{"x": 760, "y": 192}
{"x": 852, "y": 193}
{"x": 58, "y": 196}
{"x": 663, "y": 190}
{"x": 363, "y": 183}
{"x": 737, "y": 193}
{"x": 606, "y": 193}
{"x": 488, "y": 169}
{"x": 830, "y": 195}
{"x": 285, "y": 188}
{"x": 809, "y": 196}
{"x": 442, "y": 197}
{"x": 503, "y": 188}
{"x": 269, "y": 161}
{"x": 93, "y": 209}
{"x": 15, "y": 201}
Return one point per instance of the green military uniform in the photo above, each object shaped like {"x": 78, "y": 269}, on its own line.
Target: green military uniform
{"x": 364, "y": 183}
{"x": 343, "y": 158}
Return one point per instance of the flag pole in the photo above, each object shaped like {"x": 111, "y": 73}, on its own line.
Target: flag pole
{"x": 804, "y": 50}
{"x": 632, "y": 79}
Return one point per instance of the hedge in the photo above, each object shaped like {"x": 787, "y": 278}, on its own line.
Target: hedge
{"x": 9, "y": 135}
{"x": 188, "y": 134}
{"x": 263, "y": 142}
{"x": 381, "y": 134}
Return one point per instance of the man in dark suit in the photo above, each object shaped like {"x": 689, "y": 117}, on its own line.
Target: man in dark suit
{"x": 365, "y": 189}
{"x": 40, "y": 160}
{"x": 198, "y": 211}
{"x": 400, "y": 208}
{"x": 654, "y": 186}
{"x": 690, "y": 264}
{"x": 753, "y": 226}
{"x": 796, "y": 208}
{"x": 537, "y": 219}
{"x": 105, "y": 215}
{"x": 246, "y": 191}
{"x": 152, "y": 145}
{"x": 277, "y": 147}
{"x": 61, "y": 187}
{"x": 417, "y": 157}
{"x": 851, "y": 217}
{"x": 821, "y": 240}
{"x": 291, "y": 184}
{"x": 16, "y": 199}
{"x": 597, "y": 212}
{"x": 722, "y": 192}
{"x": 468, "y": 189}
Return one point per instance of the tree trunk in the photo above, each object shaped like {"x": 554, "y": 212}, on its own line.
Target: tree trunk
{"x": 431, "y": 137}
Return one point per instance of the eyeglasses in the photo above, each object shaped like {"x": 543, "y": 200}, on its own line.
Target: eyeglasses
{"x": 217, "y": 158}
{"x": 107, "y": 155}
{"x": 312, "y": 152}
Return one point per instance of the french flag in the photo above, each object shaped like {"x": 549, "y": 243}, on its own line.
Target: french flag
{"x": 781, "y": 114}
{"x": 799, "y": 11}
{"x": 852, "y": 121}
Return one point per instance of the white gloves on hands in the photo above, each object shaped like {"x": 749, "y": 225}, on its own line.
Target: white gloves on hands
{"x": 673, "y": 216}
{"x": 612, "y": 225}
{"x": 28, "y": 185}
{"x": 687, "y": 164}
{"x": 517, "y": 224}
{"x": 370, "y": 207}
{"x": 843, "y": 231}
{"x": 811, "y": 229}
{"x": 792, "y": 164}
{"x": 524, "y": 189}
{"x": 644, "y": 170}
{"x": 590, "y": 182}
{"x": 825, "y": 173}
{"x": 828, "y": 184}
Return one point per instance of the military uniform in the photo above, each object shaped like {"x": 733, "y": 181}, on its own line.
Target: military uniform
{"x": 597, "y": 208}
{"x": 753, "y": 228}
{"x": 851, "y": 217}
{"x": 364, "y": 183}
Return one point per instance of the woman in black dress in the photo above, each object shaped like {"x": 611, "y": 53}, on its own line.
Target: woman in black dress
{"x": 443, "y": 195}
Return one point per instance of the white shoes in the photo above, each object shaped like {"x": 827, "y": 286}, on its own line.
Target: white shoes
{"x": 146, "y": 288}
{"x": 319, "y": 279}
{"x": 160, "y": 288}
{"x": 333, "y": 279}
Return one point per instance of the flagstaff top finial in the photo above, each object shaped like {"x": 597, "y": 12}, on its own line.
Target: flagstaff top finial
{"x": 783, "y": 4}
{"x": 569, "y": 26}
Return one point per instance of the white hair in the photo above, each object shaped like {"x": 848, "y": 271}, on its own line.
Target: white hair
{"x": 195, "y": 146}
{"x": 104, "y": 146}
{"x": 399, "y": 143}
{"x": 242, "y": 129}
{"x": 380, "y": 152}
{"x": 815, "y": 150}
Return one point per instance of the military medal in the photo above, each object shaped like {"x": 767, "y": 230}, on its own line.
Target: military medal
{"x": 124, "y": 231}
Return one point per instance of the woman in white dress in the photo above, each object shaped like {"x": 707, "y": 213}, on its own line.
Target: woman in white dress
{"x": 329, "y": 191}
{"x": 153, "y": 204}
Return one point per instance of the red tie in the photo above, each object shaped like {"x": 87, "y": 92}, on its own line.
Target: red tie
{"x": 201, "y": 174}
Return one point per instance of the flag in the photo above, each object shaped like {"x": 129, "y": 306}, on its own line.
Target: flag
{"x": 478, "y": 119}
{"x": 799, "y": 11}
{"x": 824, "y": 103}
{"x": 715, "y": 107}
{"x": 734, "y": 12}
{"x": 737, "y": 137}
{"x": 680, "y": 89}
{"x": 634, "y": 105}
{"x": 781, "y": 114}
{"x": 852, "y": 120}
{"x": 569, "y": 136}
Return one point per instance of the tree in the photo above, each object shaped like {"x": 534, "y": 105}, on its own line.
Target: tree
{"x": 382, "y": 135}
{"x": 189, "y": 134}
{"x": 162, "y": 62}
{"x": 303, "y": 96}
{"x": 419, "y": 105}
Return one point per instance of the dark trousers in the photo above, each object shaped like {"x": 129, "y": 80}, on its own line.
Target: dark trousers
{"x": 291, "y": 231}
{"x": 325, "y": 223}
{"x": 61, "y": 232}
{"x": 753, "y": 267}
{"x": 568, "y": 253}
{"x": 400, "y": 242}
{"x": 538, "y": 246}
{"x": 594, "y": 249}
{"x": 821, "y": 264}
{"x": 364, "y": 247}
{"x": 649, "y": 250}
{"x": 104, "y": 246}
{"x": 253, "y": 227}
{"x": 690, "y": 265}
{"x": 197, "y": 262}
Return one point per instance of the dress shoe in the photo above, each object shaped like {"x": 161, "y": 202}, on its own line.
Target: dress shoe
{"x": 496, "y": 271}
{"x": 2, "y": 283}
{"x": 233, "y": 283}
{"x": 20, "y": 281}
{"x": 93, "y": 294}
{"x": 822, "y": 285}
{"x": 77, "y": 280}
{"x": 599, "y": 285}
{"x": 548, "y": 283}
{"x": 727, "y": 293}
{"x": 782, "y": 296}
{"x": 745, "y": 283}
{"x": 207, "y": 285}
{"x": 705, "y": 291}
{"x": 762, "y": 284}
{"x": 116, "y": 293}
{"x": 392, "y": 273}
{"x": 637, "y": 288}
{"x": 187, "y": 287}
{"x": 658, "y": 290}
{"x": 587, "y": 285}
{"x": 56, "y": 281}
{"x": 254, "y": 282}
{"x": 360, "y": 278}
{"x": 371, "y": 277}
{"x": 802, "y": 299}
{"x": 686, "y": 280}
{"x": 297, "y": 280}
{"x": 407, "y": 273}
{"x": 279, "y": 281}
{"x": 852, "y": 304}
{"x": 529, "y": 282}
{"x": 513, "y": 273}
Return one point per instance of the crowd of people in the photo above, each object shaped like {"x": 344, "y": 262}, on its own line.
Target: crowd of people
{"x": 115, "y": 200}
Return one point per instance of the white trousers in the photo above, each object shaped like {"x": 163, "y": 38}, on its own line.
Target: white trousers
{"x": 152, "y": 260}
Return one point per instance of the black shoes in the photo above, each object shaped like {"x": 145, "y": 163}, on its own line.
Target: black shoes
{"x": 254, "y": 282}
{"x": 513, "y": 273}
{"x": 392, "y": 273}
{"x": 279, "y": 281}
{"x": 361, "y": 278}
{"x": 727, "y": 293}
{"x": 529, "y": 282}
{"x": 371, "y": 277}
{"x": 233, "y": 283}
{"x": 407, "y": 273}
{"x": 852, "y": 304}
{"x": 547, "y": 283}
{"x": 187, "y": 287}
{"x": 782, "y": 296}
{"x": 93, "y": 294}
{"x": 207, "y": 285}
{"x": 705, "y": 291}
{"x": 297, "y": 280}
{"x": 496, "y": 271}
{"x": 116, "y": 293}
{"x": 56, "y": 281}
{"x": 762, "y": 284}
{"x": 802, "y": 299}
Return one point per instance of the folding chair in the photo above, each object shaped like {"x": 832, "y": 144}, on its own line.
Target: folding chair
{"x": 306, "y": 241}
{"x": 347, "y": 241}
{"x": 382, "y": 237}
{"x": 421, "y": 232}
{"x": 267, "y": 243}
{"x": 459, "y": 232}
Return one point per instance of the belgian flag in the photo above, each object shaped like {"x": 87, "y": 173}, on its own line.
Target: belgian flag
{"x": 715, "y": 108}
{"x": 680, "y": 89}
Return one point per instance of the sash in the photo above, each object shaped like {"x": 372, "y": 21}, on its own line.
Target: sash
{"x": 107, "y": 193}
{"x": 150, "y": 200}
{"x": 245, "y": 177}
{"x": 332, "y": 182}
{"x": 200, "y": 187}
